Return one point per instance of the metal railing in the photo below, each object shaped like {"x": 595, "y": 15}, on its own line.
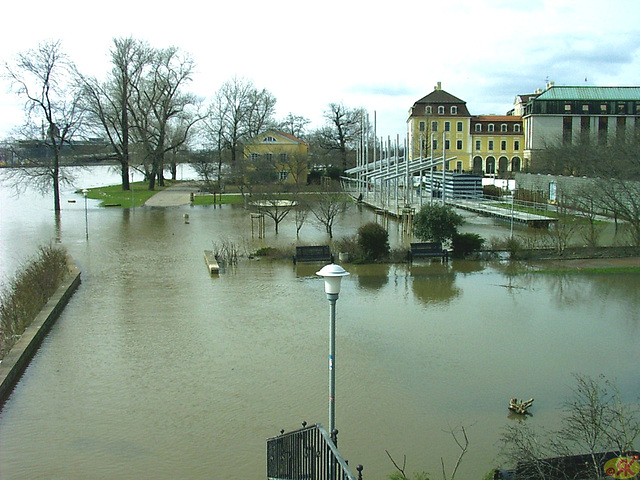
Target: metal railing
{"x": 307, "y": 453}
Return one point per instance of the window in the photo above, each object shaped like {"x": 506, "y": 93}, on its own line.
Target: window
{"x": 254, "y": 157}
{"x": 283, "y": 157}
{"x": 478, "y": 127}
{"x": 429, "y": 112}
{"x": 283, "y": 176}
{"x": 490, "y": 145}
{"x": 459, "y": 144}
{"x": 269, "y": 139}
{"x": 454, "y": 110}
{"x": 459, "y": 126}
{"x": 447, "y": 126}
{"x": 268, "y": 157}
{"x": 516, "y": 145}
{"x": 491, "y": 127}
{"x": 446, "y": 145}
{"x": 503, "y": 145}
{"x": 503, "y": 127}
{"x": 422, "y": 127}
{"x": 478, "y": 145}
{"x": 603, "y": 108}
{"x": 434, "y": 144}
{"x": 516, "y": 128}
{"x": 440, "y": 110}
{"x": 567, "y": 130}
{"x": 434, "y": 126}
{"x": 567, "y": 107}
{"x": 585, "y": 108}
{"x": 458, "y": 167}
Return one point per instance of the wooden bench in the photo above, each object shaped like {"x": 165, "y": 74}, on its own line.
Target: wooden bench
{"x": 315, "y": 253}
{"x": 428, "y": 250}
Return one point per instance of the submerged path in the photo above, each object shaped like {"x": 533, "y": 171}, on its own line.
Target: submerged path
{"x": 174, "y": 196}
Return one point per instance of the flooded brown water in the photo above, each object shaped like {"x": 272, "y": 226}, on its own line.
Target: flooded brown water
{"x": 158, "y": 370}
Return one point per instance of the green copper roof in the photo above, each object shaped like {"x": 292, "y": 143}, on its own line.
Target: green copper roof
{"x": 591, "y": 93}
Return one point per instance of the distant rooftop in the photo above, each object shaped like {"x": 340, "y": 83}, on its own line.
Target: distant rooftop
{"x": 587, "y": 93}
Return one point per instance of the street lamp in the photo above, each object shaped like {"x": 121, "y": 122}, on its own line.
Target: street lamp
{"x": 86, "y": 217}
{"x": 332, "y": 274}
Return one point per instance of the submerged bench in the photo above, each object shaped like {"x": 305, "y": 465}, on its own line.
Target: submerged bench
{"x": 428, "y": 250}
{"x": 315, "y": 253}
{"x": 212, "y": 263}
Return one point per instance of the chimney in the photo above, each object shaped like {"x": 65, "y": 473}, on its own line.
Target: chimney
{"x": 438, "y": 86}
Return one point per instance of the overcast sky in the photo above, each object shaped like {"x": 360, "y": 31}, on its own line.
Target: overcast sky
{"x": 382, "y": 56}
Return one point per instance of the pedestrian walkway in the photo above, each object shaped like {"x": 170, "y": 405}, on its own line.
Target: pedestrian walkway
{"x": 174, "y": 196}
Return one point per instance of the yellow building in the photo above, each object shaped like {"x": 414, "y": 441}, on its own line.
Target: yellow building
{"x": 472, "y": 144}
{"x": 497, "y": 144}
{"x": 285, "y": 153}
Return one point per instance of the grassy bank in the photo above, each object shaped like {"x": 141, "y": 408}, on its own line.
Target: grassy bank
{"x": 113, "y": 195}
{"x": 24, "y": 296}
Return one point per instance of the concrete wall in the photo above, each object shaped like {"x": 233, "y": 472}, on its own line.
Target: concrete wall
{"x": 15, "y": 362}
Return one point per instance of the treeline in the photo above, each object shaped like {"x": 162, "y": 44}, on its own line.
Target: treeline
{"x": 144, "y": 109}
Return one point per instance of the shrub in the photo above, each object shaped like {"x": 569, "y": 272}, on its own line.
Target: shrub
{"x": 466, "y": 243}
{"x": 26, "y": 294}
{"x": 492, "y": 191}
{"x": 373, "y": 241}
{"x": 436, "y": 222}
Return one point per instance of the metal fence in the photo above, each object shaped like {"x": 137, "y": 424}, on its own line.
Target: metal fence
{"x": 308, "y": 453}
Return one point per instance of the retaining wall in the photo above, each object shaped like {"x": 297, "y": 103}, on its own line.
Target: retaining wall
{"x": 15, "y": 362}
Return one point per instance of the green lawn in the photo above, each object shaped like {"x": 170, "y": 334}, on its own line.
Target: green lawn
{"x": 113, "y": 195}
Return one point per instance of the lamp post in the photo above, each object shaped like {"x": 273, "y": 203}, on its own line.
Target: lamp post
{"x": 86, "y": 217}
{"x": 332, "y": 274}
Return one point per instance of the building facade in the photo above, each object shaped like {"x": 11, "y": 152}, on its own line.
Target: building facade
{"x": 285, "y": 153}
{"x": 561, "y": 115}
{"x": 484, "y": 145}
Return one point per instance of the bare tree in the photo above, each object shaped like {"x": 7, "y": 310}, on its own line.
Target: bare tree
{"x": 239, "y": 111}
{"x": 273, "y": 206}
{"x": 109, "y": 103}
{"x": 342, "y": 130}
{"x": 326, "y": 207}
{"x": 43, "y": 77}
{"x": 595, "y": 420}
{"x": 294, "y": 124}
{"x": 163, "y": 112}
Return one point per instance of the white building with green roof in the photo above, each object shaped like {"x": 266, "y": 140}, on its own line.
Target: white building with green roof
{"x": 561, "y": 115}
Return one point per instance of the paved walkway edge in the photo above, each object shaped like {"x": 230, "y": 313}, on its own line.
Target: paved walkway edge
{"x": 17, "y": 360}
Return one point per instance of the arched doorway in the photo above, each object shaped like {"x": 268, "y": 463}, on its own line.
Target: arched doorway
{"x": 515, "y": 164}
{"x": 503, "y": 164}
{"x": 477, "y": 165}
{"x": 490, "y": 166}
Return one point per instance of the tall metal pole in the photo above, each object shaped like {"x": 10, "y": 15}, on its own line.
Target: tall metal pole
{"x": 332, "y": 297}
{"x": 86, "y": 215}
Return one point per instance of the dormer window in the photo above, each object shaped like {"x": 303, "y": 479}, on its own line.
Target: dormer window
{"x": 503, "y": 127}
{"x": 478, "y": 127}
{"x": 516, "y": 127}
{"x": 440, "y": 110}
{"x": 269, "y": 139}
{"x": 454, "y": 110}
{"x": 429, "y": 110}
{"x": 491, "y": 127}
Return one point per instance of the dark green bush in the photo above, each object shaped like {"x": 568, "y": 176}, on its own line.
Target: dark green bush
{"x": 466, "y": 243}
{"x": 436, "y": 222}
{"x": 492, "y": 191}
{"x": 373, "y": 241}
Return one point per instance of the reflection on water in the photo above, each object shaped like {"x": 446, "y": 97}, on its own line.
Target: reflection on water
{"x": 157, "y": 369}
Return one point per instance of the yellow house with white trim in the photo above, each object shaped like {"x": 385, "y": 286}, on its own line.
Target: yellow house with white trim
{"x": 287, "y": 154}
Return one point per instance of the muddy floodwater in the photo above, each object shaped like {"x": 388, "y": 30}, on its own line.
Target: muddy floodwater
{"x": 156, "y": 369}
